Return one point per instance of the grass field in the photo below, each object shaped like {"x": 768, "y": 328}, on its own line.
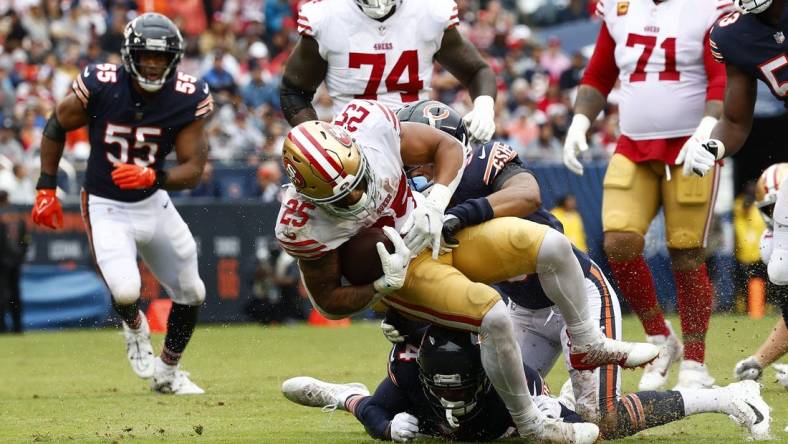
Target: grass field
{"x": 75, "y": 386}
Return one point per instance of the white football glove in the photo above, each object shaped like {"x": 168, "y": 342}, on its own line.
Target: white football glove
{"x": 694, "y": 145}
{"x": 423, "y": 227}
{"x": 576, "y": 143}
{"x": 395, "y": 265}
{"x": 782, "y": 374}
{"x": 391, "y": 333}
{"x": 404, "y": 427}
{"x": 549, "y": 406}
{"x": 481, "y": 120}
{"x": 748, "y": 369}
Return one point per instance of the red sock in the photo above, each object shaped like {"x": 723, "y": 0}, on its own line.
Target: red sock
{"x": 695, "y": 297}
{"x": 637, "y": 286}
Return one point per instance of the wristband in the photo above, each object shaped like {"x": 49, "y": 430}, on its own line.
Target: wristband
{"x": 46, "y": 181}
{"x": 472, "y": 211}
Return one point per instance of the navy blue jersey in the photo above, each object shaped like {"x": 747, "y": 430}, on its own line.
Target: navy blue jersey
{"x": 755, "y": 47}
{"x": 486, "y": 163}
{"x": 402, "y": 391}
{"x": 126, "y": 127}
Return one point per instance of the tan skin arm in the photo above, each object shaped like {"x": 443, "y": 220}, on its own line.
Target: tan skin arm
{"x": 519, "y": 196}
{"x": 736, "y": 121}
{"x": 322, "y": 279}
{"x": 422, "y": 144}
{"x": 191, "y": 150}
{"x": 71, "y": 116}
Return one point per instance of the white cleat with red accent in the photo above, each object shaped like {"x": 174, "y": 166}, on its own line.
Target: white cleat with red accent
{"x": 605, "y": 350}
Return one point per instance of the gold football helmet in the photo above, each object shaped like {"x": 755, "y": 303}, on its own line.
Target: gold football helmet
{"x": 767, "y": 187}
{"x": 325, "y": 164}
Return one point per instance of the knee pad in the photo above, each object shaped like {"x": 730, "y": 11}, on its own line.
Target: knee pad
{"x": 555, "y": 250}
{"x": 778, "y": 267}
{"x": 125, "y": 291}
{"x": 191, "y": 291}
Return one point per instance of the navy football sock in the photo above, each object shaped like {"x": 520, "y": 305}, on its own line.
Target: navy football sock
{"x": 644, "y": 410}
{"x": 130, "y": 314}
{"x": 180, "y": 326}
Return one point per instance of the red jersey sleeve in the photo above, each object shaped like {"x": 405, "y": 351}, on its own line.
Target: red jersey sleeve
{"x": 602, "y": 71}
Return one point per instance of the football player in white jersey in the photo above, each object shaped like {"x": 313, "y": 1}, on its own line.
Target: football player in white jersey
{"x": 671, "y": 95}
{"x": 341, "y": 184}
{"x": 383, "y": 50}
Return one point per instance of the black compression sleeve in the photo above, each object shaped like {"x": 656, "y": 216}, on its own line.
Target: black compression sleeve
{"x": 294, "y": 99}
{"x": 54, "y": 130}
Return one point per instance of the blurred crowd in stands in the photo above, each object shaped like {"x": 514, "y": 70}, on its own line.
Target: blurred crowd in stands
{"x": 240, "y": 47}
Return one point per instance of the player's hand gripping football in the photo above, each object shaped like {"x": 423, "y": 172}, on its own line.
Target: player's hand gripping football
{"x": 395, "y": 265}
{"x": 47, "y": 211}
{"x": 576, "y": 143}
{"x": 481, "y": 120}
{"x": 133, "y": 177}
{"x": 423, "y": 227}
{"x": 404, "y": 427}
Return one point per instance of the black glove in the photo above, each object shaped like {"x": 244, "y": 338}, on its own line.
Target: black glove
{"x": 450, "y": 228}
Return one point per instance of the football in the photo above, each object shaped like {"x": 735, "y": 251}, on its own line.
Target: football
{"x": 359, "y": 258}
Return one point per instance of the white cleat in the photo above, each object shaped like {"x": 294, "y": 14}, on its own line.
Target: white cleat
{"x": 170, "y": 380}
{"x": 313, "y": 392}
{"x": 610, "y": 351}
{"x": 139, "y": 350}
{"x": 671, "y": 349}
{"x": 749, "y": 409}
{"x": 554, "y": 431}
{"x": 693, "y": 375}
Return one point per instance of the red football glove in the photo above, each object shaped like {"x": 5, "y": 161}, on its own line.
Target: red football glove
{"x": 47, "y": 211}
{"x": 133, "y": 177}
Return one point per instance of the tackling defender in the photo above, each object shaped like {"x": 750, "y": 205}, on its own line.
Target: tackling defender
{"x": 436, "y": 387}
{"x": 495, "y": 178}
{"x": 383, "y": 50}
{"x": 341, "y": 184}
{"x": 137, "y": 114}
{"x": 671, "y": 89}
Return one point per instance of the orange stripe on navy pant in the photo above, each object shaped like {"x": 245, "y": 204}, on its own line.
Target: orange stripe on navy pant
{"x": 608, "y": 374}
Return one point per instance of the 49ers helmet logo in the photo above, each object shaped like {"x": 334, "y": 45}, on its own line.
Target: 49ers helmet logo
{"x": 339, "y": 134}
{"x": 295, "y": 176}
{"x": 435, "y": 112}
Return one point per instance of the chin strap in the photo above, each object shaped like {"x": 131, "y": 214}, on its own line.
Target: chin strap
{"x": 451, "y": 419}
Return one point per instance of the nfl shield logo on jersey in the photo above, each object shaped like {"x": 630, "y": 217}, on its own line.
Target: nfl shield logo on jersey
{"x": 622, "y": 8}
{"x": 779, "y": 37}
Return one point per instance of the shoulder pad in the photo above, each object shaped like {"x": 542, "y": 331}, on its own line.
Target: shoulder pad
{"x": 93, "y": 79}
{"x": 444, "y": 12}
{"x": 310, "y": 15}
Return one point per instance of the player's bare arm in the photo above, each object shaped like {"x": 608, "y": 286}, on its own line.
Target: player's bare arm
{"x": 463, "y": 60}
{"x": 322, "y": 280}
{"x": 304, "y": 71}
{"x": 421, "y": 144}
{"x": 191, "y": 150}
{"x": 518, "y": 197}
{"x": 736, "y": 120}
{"x": 68, "y": 115}
{"x": 589, "y": 102}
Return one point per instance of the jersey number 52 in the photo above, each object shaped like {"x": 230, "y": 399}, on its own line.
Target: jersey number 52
{"x": 408, "y": 60}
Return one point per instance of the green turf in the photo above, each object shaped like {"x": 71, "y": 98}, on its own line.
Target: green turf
{"x": 75, "y": 386}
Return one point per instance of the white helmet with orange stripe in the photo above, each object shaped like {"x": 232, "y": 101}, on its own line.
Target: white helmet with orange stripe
{"x": 326, "y": 166}
{"x": 767, "y": 187}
